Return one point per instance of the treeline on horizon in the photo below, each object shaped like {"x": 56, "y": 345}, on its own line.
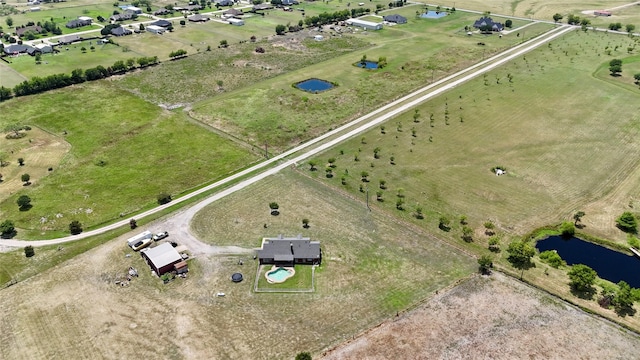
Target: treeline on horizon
{"x": 37, "y": 85}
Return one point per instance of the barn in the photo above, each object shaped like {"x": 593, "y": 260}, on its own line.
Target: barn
{"x": 367, "y": 25}
{"x": 162, "y": 258}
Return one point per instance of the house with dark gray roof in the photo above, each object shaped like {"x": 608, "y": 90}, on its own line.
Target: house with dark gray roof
{"x": 233, "y": 13}
{"x": 65, "y": 40}
{"x": 486, "y": 24}
{"x": 288, "y": 251}
{"x": 34, "y": 28}
{"x": 198, "y": 18}
{"x": 120, "y": 31}
{"x": 162, "y": 11}
{"x": 161, "y": 23}
{"x": 15, "y": 49}
{"x": 395, "y": 18}
{"x": 127, "y": 15}
{"x": 76, "y": 23}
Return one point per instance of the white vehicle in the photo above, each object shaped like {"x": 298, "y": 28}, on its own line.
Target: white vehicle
{"x": 140, "y": 237}
{"x": 160, "y": 236}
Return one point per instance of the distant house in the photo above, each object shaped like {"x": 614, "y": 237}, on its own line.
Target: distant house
{"x": 198, "y": 18}
{"x": 232, "y": 13}
{"x": 282, "y": 251}
{"x": 34, "y": 28}
{"x": 77, "y": 23}
{"x": 602, "y": 13}
{"x": 263, "y": 6}
{"x": 193, "y": 7}
{"x": 155, "y": 29}
{"x": 162, "y": 258}
{"x": 135, "y": 10}
{"x": 162, "y": 11}
{"x": 161, "y": 23}
{"x": 395, "y": 18}
{"x": 127, "y": 15}
{"x": 16, "y": 49}
{"x": 487, "y": 24}
{"x": 121, "y": 31}
{"x": 367, "y": 25}
{"x": 235, "y": 22}
{"x": 44, "y": 48}
{"x": 65, "y": 40}
{"x": 290, "y": 2}
{"x": 225, "y": 3}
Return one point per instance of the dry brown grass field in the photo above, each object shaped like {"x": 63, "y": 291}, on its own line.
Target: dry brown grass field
{"x": 542, "y": 10}
{"x": 493, "y": 317}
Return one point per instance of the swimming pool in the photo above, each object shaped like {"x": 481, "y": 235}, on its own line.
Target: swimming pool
{"x": 279, "y": 274}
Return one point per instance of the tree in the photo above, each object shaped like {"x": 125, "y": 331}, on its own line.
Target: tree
{"x": 312, "y": 165}
{"x": 75, "y": 227}
{"x": 332, "y": 162}
{"x": 508, "y": 23}
{"x": 303, "y": 356}
{"x": 280, "y": 29}
{"x": 364, "y": 176}
{"x": 164, "y": 198}
{"x": 419, "y": 214}
{"x": 623, "y": 299}
{"x": 5, "y": 93}
{"x": 224, "y": 43}
{"x": 444, "y": 223}
{"x": 25, "y": 179}
{"x": 7, "y": 229}
{"x": 630, "y": 28}
{"x": 557, "y": 17}
{"x": 24, "y": 203}
{"x": 28, "y": 251}
{"x": 485, "y": 264}
{"x": 582, "y": 278}
{"x": 520, "y": 254}
{"x": 494, "y": 244}
{"x": 9, "y": 21}
{"x": 183, "y": 23}
{"x": 383, "y": 184}
{"x": 552, "y": 258}
{"x": 627, "y": 222}
{"x": 21, "y": 161}
{"x": 467, "y": 233}
{"x": 133, "y": 224}
{"x": 416, "y": 116}
{"x": 615, "y": 67}
{"x": 567, "y": 229}
{"x": 274, "y": 208}
{"x": 577, "y": 217}
{"x": 489, "y": 228}
{"x": 615, "y": 26}
{"x": 305, "y": 223}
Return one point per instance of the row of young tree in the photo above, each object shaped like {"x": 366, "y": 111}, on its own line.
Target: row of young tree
{"x": 323, "y": 19}
{"x": 37, "y": 84}
{"x": 8, "y": 229}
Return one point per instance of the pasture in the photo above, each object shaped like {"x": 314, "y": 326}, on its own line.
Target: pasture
{"x": 119, "y": 160}
{"x": 371, "y": 270}
{"x": 541, "y": 10}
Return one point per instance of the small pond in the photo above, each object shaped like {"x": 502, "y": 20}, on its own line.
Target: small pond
{"x": 609, "y": 264}
{"x": 433, "y": 14}
{"x": 367, "y": 64}
{"x": 314, "y": 85}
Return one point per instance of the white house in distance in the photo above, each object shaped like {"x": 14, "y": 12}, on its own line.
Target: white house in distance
{"x": 367, "y": 25}
{"x": 236, "y": 22}
{"x": 155, "y": 29}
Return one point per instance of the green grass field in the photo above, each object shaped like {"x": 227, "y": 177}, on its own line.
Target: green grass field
{"x": 145, "y": 151}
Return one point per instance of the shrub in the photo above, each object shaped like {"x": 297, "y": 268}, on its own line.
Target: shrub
{"x": 164, "y": 198}
{"x": 567, "y": 229}
{"x": 444, "y": 223}
{"x": 28, "y": 251}
{"x": 552, "y": 258}
{"x": 75, "y": 227}
{"x": 7, "y": 229}
{"x": 627, "y": 222}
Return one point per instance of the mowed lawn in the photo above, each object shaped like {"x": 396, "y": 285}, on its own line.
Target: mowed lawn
{"x": 275, "y": 112}
{"x": 566, "y": 138}
{"x": 124, "y": 152}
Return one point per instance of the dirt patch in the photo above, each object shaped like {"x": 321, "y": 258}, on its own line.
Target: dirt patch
{"x": 492, "y": 317}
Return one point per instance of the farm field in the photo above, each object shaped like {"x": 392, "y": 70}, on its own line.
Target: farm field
{"x": 119, "y": 160}
{"x": 371, "y": 270}
{"x": 274, "y": 112}
{"x": 496, "y": 317}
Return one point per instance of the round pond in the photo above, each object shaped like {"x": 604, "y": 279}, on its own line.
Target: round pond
{"x": 367, "y": 64}
{"x": 314, "y": 85}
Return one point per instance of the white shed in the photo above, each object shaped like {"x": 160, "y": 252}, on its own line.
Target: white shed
{"x": 155, "y": 29}
{"x": 236, "y": 22}
{"x": 368, "y": 25}
{"x": 318, "y": 38}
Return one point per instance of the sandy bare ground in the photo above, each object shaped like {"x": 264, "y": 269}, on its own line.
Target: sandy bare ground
{"x": 493, "y": 317}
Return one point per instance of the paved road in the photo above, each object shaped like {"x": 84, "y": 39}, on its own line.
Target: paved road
{"x": 178, "y": 224}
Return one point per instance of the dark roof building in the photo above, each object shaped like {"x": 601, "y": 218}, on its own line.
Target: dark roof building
{"x": 15, "y": 49}
{"x": 65, "y": 40}
{"x": 395, "y": 18}
{"x": 127, "y": 15}
{"x": 282, "y": 251}
{"x": 162, "y": 258}
{"x": 77, "y": 23}
{"x": 224, "y": 2}
{"x": 485, "y": 23}
{"x": 233, "y": 12}
{"x": 263, "y": 6}
{"x": 161, "y": 23}
{"x": 162, "y": 11}
{"x": 198, "y": 18}
{"x": 120, "y": 31}
{"x": 34, "y": 28}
